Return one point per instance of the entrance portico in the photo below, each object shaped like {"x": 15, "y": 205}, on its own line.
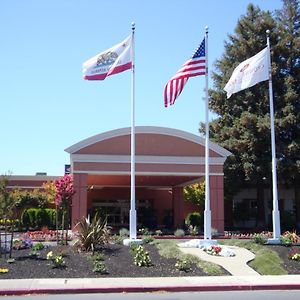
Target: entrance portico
{"x": 166, "y": 161}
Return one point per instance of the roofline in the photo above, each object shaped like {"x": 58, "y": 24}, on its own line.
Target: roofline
{"x": 147, "y": 129}
{"x": 32, "y": 178}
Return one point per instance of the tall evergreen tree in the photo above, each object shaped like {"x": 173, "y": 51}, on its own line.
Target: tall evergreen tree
{"x": 243, "y": 125}
{"x": 288, "y": 97}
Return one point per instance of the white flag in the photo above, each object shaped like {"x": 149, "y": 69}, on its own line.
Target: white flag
{"x": 112, "y": 61}
{"x": 250, "y": 72}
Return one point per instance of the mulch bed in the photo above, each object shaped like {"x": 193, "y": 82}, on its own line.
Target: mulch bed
{"x": 118, "y": 261}
{"x": 292, "y": 266}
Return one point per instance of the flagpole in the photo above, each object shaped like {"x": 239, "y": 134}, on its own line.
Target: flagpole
{"x": 132, "y": 216}
{"x": 275, "y": 212}
{"x": 207, "y": 211}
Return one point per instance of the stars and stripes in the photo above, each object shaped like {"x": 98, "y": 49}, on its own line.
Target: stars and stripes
{"x": 193, "y": 67}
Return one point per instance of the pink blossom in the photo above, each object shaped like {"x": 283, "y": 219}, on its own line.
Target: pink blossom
{"x": 64, "y": 190}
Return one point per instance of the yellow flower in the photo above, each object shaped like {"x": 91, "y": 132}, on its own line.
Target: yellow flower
{"x": 3, "y": 270}
{"x": 50, "y": 255}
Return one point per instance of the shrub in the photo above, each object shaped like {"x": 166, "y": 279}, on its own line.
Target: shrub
{"x": 194, "y": 219}
{"x": 148, "y": 239}
{"x": 57, "y": 260}
{"x": 92, "y": 234}
{"x": 144, "y": 231}
{"x": 38, "y": 246}
{"x": 290, "y": 237}
{"x": 183, "y": 265}
{"x": 294, "y": 255}
{"x": 133, "y": 247}
{"x": 38, "y": 218}
{"x": 98, "y": 257}
{"x": 98, "y": 263}
{"x": 259, "y": 239}
{"x": 25, "y": 221}
{"x": 285, "y": 241}
{"x": 99, "y": 267}
{"x": 179, "y": 232}
{"x": 141, "y": 257}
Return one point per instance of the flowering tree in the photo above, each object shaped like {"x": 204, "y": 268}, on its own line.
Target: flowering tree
{"x": 195, "y": 193}
{"x": 50, "y": 190}
{"x": 63, "y": 198}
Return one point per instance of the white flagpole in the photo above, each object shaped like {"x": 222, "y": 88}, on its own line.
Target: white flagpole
{"x": 132, "y": 213}
{"x": 207, "y": 211}
{"x": 275, "y": 213}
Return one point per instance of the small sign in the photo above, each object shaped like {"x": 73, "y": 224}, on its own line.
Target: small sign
{"x": 67, "y": 169}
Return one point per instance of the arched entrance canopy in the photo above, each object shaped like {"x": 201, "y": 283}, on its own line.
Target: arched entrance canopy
{"x": 166, "y": 159}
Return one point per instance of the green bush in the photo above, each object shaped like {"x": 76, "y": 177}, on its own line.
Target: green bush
{"x": 99, "y": 267}
{"x": 141, "y": 257}
{"x": 38, "y": 247}
{"x": 51, "y": 219}
{"x": 183, "y": 265}
{"x": 260, "y": 239}
{"x": 148, "y": 239}
{"x": 285, "y": 241}
{"x": 25, "y": 221}
{"x": 32, "y": 217}
{"x": 39, "y": 217}
{"x": 194, "y": 219}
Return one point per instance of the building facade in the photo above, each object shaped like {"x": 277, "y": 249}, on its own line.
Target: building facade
{"x": 166, "y": 160}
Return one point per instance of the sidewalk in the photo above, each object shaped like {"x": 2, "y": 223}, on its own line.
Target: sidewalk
{"x": 170, "y": 284}
{"x": 236, "y": 265}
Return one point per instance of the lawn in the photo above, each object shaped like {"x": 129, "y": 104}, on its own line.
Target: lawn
{"x": 270, "y": 259}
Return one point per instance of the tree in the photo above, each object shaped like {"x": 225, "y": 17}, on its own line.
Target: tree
{"x": 195, "y": 193}
{"x": 7, "y": 210}
{"x": 288, "y": 97}
{"x": 243, "y": 125}
{"x": 63, "y": 199}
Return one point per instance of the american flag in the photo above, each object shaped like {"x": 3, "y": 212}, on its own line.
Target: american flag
{"x": 193, "y": 67}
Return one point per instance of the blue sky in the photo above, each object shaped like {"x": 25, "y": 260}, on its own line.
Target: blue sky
{"x": 46, "y": 106}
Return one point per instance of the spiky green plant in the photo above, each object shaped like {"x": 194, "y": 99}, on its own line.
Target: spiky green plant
{"x": 92, "y": 234}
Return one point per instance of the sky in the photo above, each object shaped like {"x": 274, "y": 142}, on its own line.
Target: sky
{"x": 46, "y": 106}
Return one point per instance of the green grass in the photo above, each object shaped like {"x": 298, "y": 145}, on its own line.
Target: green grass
{"x": 266, "y": 262}
{"x": 169, "y": 249}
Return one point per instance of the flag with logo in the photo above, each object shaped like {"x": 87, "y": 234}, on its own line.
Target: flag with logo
{"x": 250, "y": 72}
{"x": 193, "y": 67}
{"x": 112, "y": 61}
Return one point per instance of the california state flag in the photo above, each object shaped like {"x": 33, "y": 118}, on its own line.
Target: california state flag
{"x": 250, "y": 72}
{"x": 112, "y": 61}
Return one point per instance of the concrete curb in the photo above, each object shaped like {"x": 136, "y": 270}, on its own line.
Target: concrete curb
{"x": 150, "y": 288}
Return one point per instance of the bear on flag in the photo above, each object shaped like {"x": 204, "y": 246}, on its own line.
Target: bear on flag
{"x": 112, "y": 61}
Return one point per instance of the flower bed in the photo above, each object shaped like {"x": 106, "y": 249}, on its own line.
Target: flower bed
{"x": 219, "y": 251}
{"x": 40, "y": 236}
